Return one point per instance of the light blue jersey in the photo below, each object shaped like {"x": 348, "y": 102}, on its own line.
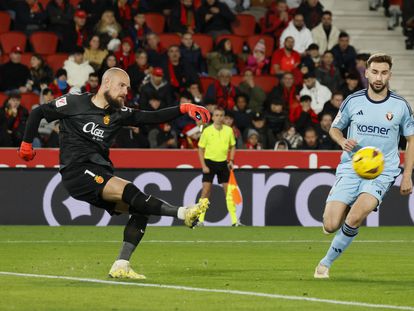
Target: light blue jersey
{"x": 370, "y": 123}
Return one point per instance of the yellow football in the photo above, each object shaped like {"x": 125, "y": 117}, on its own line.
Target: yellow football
{"x": 368, "y": 162}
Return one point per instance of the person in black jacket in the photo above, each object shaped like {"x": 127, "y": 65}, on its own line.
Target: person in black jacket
{"x": 191, "y": 53}
{"x": 312, "y": 11}
{"x": 60, "y": 14}
{"x": 183, "y": 18}
{"x": 13, "y": 74}
{"x": 156, "y": 86}
{"x": 30, "y": 16}
{"x": 138, "y": 70}
{"x": 76, "y": 34}
{"x": 215, "y": 18}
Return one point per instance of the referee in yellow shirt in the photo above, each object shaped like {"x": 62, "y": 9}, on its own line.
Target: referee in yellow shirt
{"x": 216, "y": 150}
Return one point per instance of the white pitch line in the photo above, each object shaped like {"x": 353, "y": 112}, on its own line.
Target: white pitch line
{"x": 198, "y": 241}
{"x": 212, "y": 290}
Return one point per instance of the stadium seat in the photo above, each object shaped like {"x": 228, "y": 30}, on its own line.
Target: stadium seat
{"x": 244, "y": 25}
{"x": 237, "y": 42}
{"x": 29, "y": 99}
{"x": 44, "y": 42}
{"x": 5, "y": 21}
{"x": 205, "y": 42}
{"x": 236, "y": 80}
{"x": 3, "y": 98}
{"x": 55, "y": 61}
{"x": 155, "y": 21}
{"x": 10, "y": 39}
{"x": 205, "y": 83}
{"x": 168, "y": 39}
{"x": 269, "y": 42}
{"x": 267, "y": 83}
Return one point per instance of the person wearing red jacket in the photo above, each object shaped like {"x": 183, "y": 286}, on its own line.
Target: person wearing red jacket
{"x": 125, "y": 55}
{"x": 276, "y": 19}
{"x": 302, "y": 115}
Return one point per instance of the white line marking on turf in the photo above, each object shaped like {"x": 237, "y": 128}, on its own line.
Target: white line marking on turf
{"x": 200, "y": 241}
{"x": 212, "y": 290}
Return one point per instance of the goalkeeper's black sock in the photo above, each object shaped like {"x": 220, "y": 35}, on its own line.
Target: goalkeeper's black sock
{"x": 133, "y": 233}
{"x": 146, "y": 204}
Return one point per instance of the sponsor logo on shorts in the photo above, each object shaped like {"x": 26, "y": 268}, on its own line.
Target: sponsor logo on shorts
{"x": 98, "y": 179}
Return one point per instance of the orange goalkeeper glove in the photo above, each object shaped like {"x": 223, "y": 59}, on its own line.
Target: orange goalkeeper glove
{"x": 197, "y": 113}
{"x": 26, "y": 151}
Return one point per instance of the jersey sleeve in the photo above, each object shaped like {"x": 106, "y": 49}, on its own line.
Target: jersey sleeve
{"x": 343, "y": 117}
{"x": 407, "y": 121}
{"x": 58, "y": 108}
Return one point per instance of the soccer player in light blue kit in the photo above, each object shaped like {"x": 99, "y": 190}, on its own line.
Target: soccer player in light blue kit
{"x": 374, "y": 117}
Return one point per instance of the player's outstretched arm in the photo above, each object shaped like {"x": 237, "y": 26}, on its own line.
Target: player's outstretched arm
{"x": 406, "y": 182}
{"x": 26, "y": 151}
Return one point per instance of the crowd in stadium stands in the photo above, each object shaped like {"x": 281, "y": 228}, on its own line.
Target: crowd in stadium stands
{"x": 280, "y": 80}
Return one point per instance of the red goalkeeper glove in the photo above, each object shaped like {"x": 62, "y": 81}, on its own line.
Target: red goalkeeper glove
{"x": 26, "y": 151}
{"x": 197, "y": 113}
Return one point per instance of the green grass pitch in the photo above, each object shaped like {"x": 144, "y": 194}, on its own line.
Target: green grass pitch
{"x": 377, "y": 269}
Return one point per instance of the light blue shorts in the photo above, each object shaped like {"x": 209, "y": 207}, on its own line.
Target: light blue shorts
{"x": 347, "y": 188}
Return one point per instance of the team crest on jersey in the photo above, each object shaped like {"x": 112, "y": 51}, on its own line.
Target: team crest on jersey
{"x": 389, "y": 116}
{"x": 98, "y": 179}
{"x": 61, "y": 102}
{"x": 106, "y": 119}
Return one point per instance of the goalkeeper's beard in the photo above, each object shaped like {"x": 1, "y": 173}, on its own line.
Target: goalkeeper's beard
{"x": 113, "y": 102}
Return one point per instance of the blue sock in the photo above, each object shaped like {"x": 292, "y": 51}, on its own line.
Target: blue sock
{"x": 341, "y": 241}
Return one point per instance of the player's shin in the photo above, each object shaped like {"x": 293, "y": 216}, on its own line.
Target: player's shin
{"x": 133, "y": 233}
{"x": 146, "y": 204}
{"x": 341, "y": 241}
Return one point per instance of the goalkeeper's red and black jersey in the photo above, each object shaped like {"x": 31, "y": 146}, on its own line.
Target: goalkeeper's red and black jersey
{"x": 87, "y": 131}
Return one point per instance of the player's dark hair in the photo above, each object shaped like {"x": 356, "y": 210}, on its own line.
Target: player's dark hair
{"x": 379, "y": 58}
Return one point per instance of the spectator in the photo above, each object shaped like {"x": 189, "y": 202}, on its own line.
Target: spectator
{"x": 258, "y": 61}
{"x": 325, "y": 140}
{"x": 60, "y": 85}
{"x": 325, "y": 35}
{"x": 292, "y": 137}
{"x": 237, "y": 6}
{"x": 108, "y": 62}
{"x": 281, "y": 145}
{"x": 125, "y": 56}
{"x": 139, "y": 30}
{"x": 361, "y": 66}
{"x": 5, "y": 137}
{"x": 286, "y": 59}
{"x": 41, "y": 75}
{"x": 94, "y": 9}
{"x": 177, "y": 72}
{"x": 345, "y": 54}
{"x": 222, "y": 57}
{"x": 75, "y": 34}
{"x": 138, "y": 70}
{"x": 351, "y": 84}
{"x": 30, "y": 16}
{"x": 332, "y": 106}
{"x": 191, "y": 54}
{"x": 77, "y": 68}
{"x": 156, "y": 87}
{"x": 123, "y": 13}
{"x": 311, "y": 60}
{"x": 242, "y": 113}
{"x": 276, "y": 118}
{"x": 255, "y": 94}
{"x": 45, "y": 128}
{"x": 266, "y": 137}
{"x": 303, "y": 115}
{"x": 222, "y": 91}
{"x": 312, "y": 11}
{"x": 13, "y": 74}
{"x": 276, "y": 19}
{"x": 299, "y": 32}
{"x": 92, "y": 85}
{"x": 94, "y": 54}
{"x": 60, "y": 15}
{"x": 394, "y": 13}
{"x": 131, "y": 137}
{"x": 16, "y": 117}
{"x": 327, "y": 74}
{"x": 166, "y": 137}
{"x": 156, "y": 52}
{"x": 193, "y": 93}
{"x": 183, "y": 18}
{"x": 109, "y": 30}
{"x": 189, "y": 137}
{"x": 253, "y": 140}
{"x": 215, "y": 18}
{"x": 286, "y": 91}
{"x": 310, "y": 140}
{"x": 319, "y": 93}
{"x": 229, "y": 121}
